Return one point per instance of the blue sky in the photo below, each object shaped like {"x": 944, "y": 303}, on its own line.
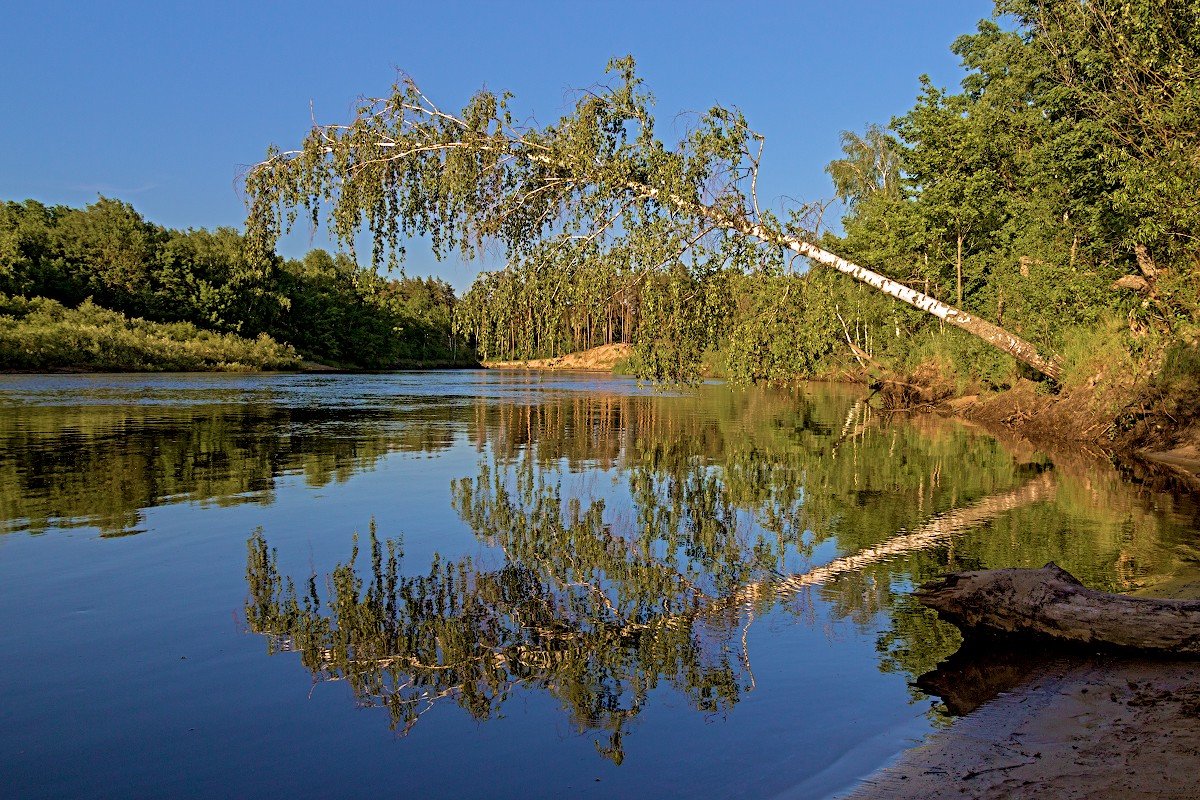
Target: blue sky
{"x": 162, "y": 104}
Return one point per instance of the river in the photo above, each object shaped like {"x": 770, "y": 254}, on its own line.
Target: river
{"x": 564, "y": 585}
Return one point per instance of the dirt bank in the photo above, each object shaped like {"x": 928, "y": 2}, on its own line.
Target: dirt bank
{"x": 1072, "y": 422}
{"x": 1081, "y": 419}
{"x": 1039, "y": 415}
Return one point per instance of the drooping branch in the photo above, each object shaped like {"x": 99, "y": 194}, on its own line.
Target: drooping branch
{"x": 405, "y": 167}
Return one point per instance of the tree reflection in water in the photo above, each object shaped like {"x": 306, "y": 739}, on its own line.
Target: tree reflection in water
{"x": 474, "y": 635}
{"x": 596, "y": 618}
{"x": 725, "y": 523}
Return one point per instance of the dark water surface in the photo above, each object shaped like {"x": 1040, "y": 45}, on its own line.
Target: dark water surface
{"x": 579, "y": 587}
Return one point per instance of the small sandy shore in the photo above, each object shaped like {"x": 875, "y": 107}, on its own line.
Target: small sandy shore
{"x": 1058, "y": 725}
{"x": 598, "y": 359}
{"x": 1086, "y": 727}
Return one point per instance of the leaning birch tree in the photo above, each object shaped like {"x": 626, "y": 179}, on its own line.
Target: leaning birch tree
{"x": 404, "y": 166}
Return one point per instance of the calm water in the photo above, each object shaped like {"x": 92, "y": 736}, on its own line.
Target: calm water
{"x": 575, "y": 586}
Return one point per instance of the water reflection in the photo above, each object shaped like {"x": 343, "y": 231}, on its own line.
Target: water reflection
{"x": 472, "y": 635}
{"x": 727, "y": 508}
{"x": 102, "y": 465}
{"x": 711, "y": 585}
{"x": 981, "y": 670}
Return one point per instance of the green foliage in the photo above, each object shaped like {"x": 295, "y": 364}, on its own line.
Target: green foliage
{"x": 561, "y": 299}
{"x": 683, "y": 314}
{"x": 871, "y": 166}
{"x": 344, "y": 314}
{"x": 204, "y": 277}
{"x": 1095, "y": 352}
{"x": 405, "y": 167}
{"x": 960, "y": 361}
{"x": 108, "y": 253}
{"x": 785, "y": 327}
{"x": 328, "y": 307}
{"x": 1026, "y": 194}
{"x": 608, "y": 231}
{"x": 43, "y": 334}
{"x": 1177, "y": 384}
{"x": 1129, "y": 71}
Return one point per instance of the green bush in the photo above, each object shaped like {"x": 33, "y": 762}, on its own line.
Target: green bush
{"x": 1091, "y": 352}
{"x": 960, "y": 359}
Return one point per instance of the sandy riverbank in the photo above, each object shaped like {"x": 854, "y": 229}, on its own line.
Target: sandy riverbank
{"x": 1052, "y": 723}
{"x": 1081, "y": 727}
{"x": 1062, "y": 724}
{"x": 598, "y": 359}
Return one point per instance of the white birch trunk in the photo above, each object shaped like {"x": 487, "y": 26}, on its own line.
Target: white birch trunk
{"x": 994, "y": 335}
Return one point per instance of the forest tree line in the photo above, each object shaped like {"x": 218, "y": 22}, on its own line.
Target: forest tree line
{"x": 103, "y": 287}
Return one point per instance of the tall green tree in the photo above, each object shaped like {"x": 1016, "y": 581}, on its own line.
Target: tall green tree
{"x": 871, "y": 166}
{"x": 953, "y": 166}
{"x": 1126, "y": 76}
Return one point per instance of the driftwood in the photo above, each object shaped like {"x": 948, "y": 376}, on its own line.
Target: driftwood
{"x": 1050, "y": 604}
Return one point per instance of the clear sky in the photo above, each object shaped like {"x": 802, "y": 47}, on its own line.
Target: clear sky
{"x": 162, "y": 104}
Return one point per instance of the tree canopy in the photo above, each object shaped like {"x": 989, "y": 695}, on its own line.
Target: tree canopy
{"x": 598, "y": 176}
{"x": 1055, "y": 189}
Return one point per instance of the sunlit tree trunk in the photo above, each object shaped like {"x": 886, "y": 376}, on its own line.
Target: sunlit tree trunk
{"x": 958, "y": 267}
{"x": 994, "y": 335}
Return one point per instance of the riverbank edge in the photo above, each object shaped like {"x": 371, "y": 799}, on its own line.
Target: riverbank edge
{"x": 1069, "y": 420}
{"x": 1072, "y": 422}
{"x": 1098, "y": 726}
{"x": 1080, "y": 728}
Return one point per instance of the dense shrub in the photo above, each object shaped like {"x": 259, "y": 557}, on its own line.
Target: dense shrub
{"x": 43, "y": 334}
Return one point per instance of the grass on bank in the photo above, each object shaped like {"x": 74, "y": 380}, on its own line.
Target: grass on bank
{"x": 43, "y": 334}
{"x": 1143, "y": 382}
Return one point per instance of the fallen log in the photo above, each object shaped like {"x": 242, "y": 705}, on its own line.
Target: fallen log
{"x": 1049, "y": 603}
